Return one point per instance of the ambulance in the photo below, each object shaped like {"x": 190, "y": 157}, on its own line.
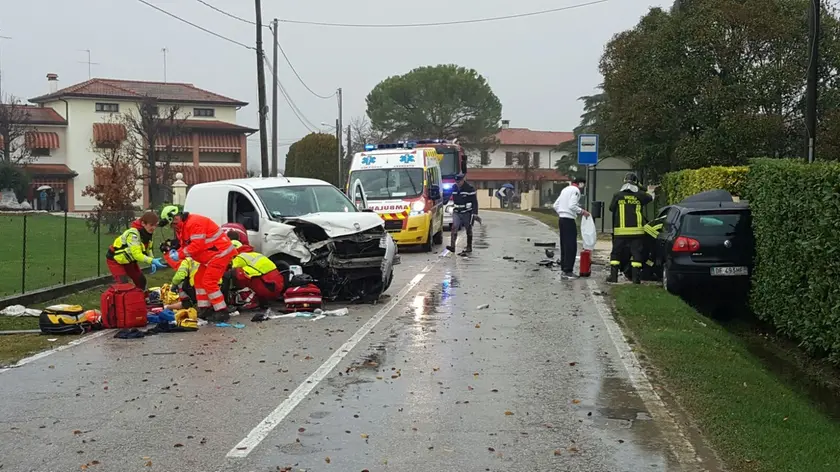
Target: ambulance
{"x": 403, "y": 185}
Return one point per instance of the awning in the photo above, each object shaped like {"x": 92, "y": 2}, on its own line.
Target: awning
{"x": 193, "y": 175}
{"x": 108, "y": 133}
{"x": 210, "y": 142}
{"x": 44, "y": 171}
{"x": 41, "y": 140}
{"x": 180, "y": 143}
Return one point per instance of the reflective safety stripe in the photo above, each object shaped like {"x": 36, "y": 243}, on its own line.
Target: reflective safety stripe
{"x": 254, "y": 264}
{"x": 628, "y": 231}
{"x": 198, "y": 236}
{"x": 638, "y": 215}
{"x": 200, "y": 291}
{"x": 216, "y": 294}
{"x": 621, "y": 222}
{"x": 224, "y": 253}
{"x": 216, "y": 236}
{"x": 615, "y": 263}
{"x": 637, "y": 265}
{"x": 203, "y": 303}
{"x": 653, "y": 231}
{"x": 219, "y": 306}
{"x": 649, "y": 263}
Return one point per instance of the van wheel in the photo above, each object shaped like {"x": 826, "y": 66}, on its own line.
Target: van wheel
{"x": 427, "y": 246}
{"x": 669, "y": 280}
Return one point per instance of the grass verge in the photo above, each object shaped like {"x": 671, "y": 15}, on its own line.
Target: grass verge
{"x": 46, "y": 251}
{"x": 14, "y": 347}
{"x": 753, "y": 419}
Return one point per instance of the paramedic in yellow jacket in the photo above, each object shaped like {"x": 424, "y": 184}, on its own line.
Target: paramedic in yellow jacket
{"x": 257, "y": 272}
{"x": 184, "y": 278}
{"x": 132, "y": 247}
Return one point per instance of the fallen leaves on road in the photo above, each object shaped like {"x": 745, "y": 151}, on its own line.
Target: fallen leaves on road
{"x": 148, "y": 463}
{"x": 364, "y": 436}
{"x": 558, "y": 452}
{"x": 435, "y": 369}
{"x": 573, "y": 449}
{"x": 327, "y": 459}
{"x": 478, "y": 325}
{"x": 178, "y": 445}
{"x": 508, "y": 413}
{"x": 576, "y": 401}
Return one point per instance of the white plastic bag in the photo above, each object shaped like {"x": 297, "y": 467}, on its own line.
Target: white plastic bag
{"x": 588, "y": 232}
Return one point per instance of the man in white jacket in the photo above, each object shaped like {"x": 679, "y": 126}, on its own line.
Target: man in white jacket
{"x": 568, "y": 209}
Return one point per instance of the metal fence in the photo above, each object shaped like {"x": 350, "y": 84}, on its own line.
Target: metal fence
{"x": 40, "y": 250}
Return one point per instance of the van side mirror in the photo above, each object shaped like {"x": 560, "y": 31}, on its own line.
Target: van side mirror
{"x": 434, "y": 192}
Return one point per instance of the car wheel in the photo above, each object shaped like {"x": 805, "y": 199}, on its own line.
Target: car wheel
{"x": 670, "y": 281}
{"x": 427, "y": 246}
{"x": 388, "y": 283}
{"x": 439, "y": 237}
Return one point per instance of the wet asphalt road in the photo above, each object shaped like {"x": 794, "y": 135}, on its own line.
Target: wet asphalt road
{"x": 531, "y": 383}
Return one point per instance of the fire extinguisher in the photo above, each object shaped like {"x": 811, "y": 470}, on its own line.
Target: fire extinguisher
{"x": 585, "y": 263}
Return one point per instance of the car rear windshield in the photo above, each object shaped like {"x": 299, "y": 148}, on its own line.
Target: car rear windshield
{"x": 719, "y": 223}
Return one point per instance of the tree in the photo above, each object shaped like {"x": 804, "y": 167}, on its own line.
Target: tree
{"x": 116, "y": 174}
{"x": 591, "y": 122}
{"x": 314, "y": 156}
{"x": 444, "y": 101}
{"x": 14, "y": 123}
{"x": 525, "y": 166}
{"x": 717, "y": 82}
{"x": 148, "y": 129}
{"x": 361, "y": 133}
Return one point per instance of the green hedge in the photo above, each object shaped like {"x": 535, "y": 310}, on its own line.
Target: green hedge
{"x": 796, "y": 221}
{"x": 677, "y": 185}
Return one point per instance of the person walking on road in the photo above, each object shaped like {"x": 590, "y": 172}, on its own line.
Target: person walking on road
{"x": 464, "y": 212}
{"x": 132, "y": 247}
{"x": 568, "y": 209}
{"x": 628, "y": 228}
{"x": 205, "y": 242}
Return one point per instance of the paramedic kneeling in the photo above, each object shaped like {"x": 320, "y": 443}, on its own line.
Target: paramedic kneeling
{"x": 132, "y": 247}
{"x": 255, "y": 271}
{"x": 184, "y": 279}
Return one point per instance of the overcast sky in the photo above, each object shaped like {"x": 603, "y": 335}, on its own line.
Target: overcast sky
{"x": 538, "y": 66}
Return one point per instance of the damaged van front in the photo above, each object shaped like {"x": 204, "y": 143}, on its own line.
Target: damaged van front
{"x": 310, "y": 223}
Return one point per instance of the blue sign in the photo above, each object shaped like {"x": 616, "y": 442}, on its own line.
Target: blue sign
{"x": 406, "y": 158}
{"x": 368, "y": 160}
{"x": 588, "y": 149}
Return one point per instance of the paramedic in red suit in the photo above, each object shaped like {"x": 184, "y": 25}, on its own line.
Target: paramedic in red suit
{"x": 206, "y": 243}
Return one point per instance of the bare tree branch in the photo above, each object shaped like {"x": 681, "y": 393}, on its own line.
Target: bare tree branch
{"x": 14, "y": 123}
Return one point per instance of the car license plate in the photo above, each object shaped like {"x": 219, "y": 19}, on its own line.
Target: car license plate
{"x": 724, "y": 271}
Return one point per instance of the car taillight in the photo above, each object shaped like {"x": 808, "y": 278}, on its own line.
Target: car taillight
{"x": 683, "y": 244}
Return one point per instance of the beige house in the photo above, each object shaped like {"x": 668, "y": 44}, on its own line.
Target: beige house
{"x": 519, "y": 149}
{"x": 69, "y": 122}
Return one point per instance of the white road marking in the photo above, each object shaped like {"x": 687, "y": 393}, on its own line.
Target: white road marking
{"x": 44, "y": 354}
{"x": 262, "y": 430}
{"x": 679, "y": 443}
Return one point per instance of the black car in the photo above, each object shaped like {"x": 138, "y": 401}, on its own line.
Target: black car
{"x": 706, "y": 241}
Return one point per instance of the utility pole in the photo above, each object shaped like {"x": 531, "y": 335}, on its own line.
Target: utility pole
{"x": 349, "y": 144}
{"x": 274, "y": 104}
{"x": 338, "y": 131}
{"x": 811, "y": 87}
{"x": 164, "y": 51}
{"x": 1, "y": 71}
{"x": 261, "y": 88}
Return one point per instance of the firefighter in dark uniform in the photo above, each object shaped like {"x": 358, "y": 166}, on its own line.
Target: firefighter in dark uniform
{"x": 628, "y": 228}
{"x": 464, "y": 212}
{"x": 651, "y": 230}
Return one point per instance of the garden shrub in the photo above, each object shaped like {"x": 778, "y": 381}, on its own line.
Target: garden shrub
{"x": 796, "y": 221}
{"x": 676, "y": 186}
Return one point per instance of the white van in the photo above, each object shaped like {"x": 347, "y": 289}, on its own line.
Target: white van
{"x": 310, "y": 223}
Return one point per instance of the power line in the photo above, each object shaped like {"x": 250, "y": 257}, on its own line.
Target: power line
{"x": 196, "y": 26}
{"x": 280, "y": 47}
{"x": 231, "y": 15}
{"x": 445, "y": 23}
{"x": 295, "y": 110}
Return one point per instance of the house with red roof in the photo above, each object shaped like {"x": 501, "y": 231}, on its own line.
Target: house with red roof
{"x": 522, "y": 155}
{"x": 69, "y": 123}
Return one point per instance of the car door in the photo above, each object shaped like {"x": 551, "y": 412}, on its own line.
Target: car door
{"x": 357, "y": 195}
{"x": 665, "y": 239}
{"x": 242, "y": 209}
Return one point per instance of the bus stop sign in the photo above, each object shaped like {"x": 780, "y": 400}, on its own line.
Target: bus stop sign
{"x": 588, "y": 149}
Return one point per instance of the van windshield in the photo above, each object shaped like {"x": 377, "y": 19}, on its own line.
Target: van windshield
{"x": 382, "y": 184}
{"x": 288, "y": 202}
